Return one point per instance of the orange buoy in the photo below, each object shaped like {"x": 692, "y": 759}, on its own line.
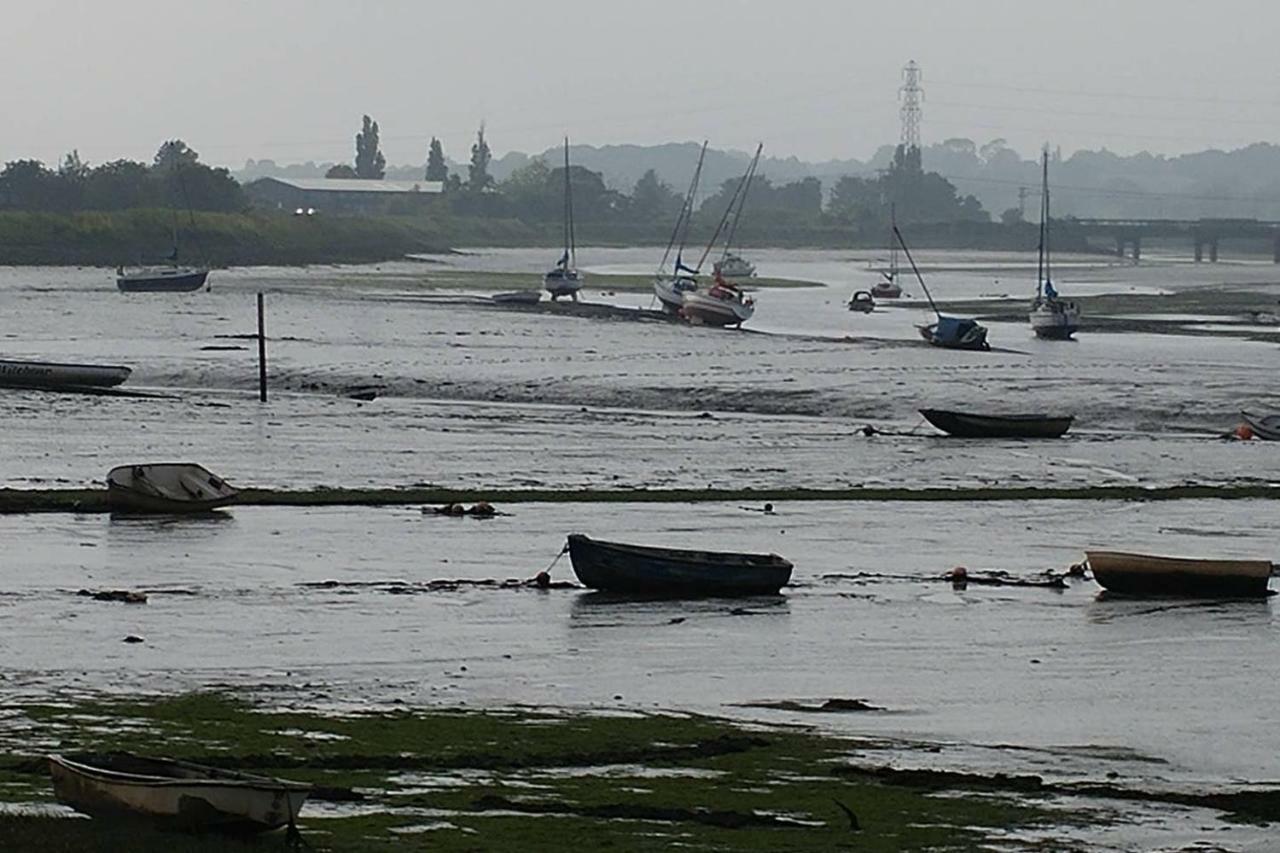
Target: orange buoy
{"x": 1244, "y": 432}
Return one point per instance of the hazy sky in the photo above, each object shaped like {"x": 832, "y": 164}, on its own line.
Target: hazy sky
{"x": 289, "y": 79}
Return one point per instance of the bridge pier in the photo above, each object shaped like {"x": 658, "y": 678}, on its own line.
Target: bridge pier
{"x": 1199, "y": 250}
{"x": 1275, "y": 249}
{"x": 1213, "y": 250}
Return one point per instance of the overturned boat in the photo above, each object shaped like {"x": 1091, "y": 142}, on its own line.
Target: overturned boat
{"x": 176, "y": 794}
{"x": 1146, "y": 574}
{"x": 1265, "y": 427}
{"x": 647, "y": 570}
{"x": 974, "y": 425}
{"x": 166, "y": 487}
{"x": 54, "y": 375}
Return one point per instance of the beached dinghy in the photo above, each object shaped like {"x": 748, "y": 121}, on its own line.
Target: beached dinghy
{"x": 166, "y": 487}
{"x": 645, "y": 570}
{"x": 175, "y": 793}
{"x": 1265, "y": 427}
{"x": 971, "y": 425}
{"x": 518, "y": 297}
{"x": 1145, "y": 574}
{"x": 52, "y": 374}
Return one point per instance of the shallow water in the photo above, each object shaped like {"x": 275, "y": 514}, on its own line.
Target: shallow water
{"x": 1059, "y": 683}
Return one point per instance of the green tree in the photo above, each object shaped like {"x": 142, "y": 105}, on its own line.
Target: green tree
{"x": 341, "y": 170}
{"x": 29, "y": 185}
{"x": 529, "y": 192}
{"x": 651, "y": 199}
{"x": 370, "y": 164}
{"x": 73, "y": 168}
{"x": 437, "y": 169}
{"x": 119, "y": 185}
{"x": 174, "y": 154}
{"x": 478, "y": 177}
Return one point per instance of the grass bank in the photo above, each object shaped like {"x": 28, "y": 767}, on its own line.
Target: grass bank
{"x": 528, "y": 780}
{"x": 95, "y": 500}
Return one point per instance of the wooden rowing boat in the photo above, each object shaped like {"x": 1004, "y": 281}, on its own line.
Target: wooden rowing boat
{"x": 972, "y": 425}
{"x": 176, "y": 793}
{"x": 166, "y": 487}
{"x": 1146, "y": 574}
{"x": 646, "y": 570}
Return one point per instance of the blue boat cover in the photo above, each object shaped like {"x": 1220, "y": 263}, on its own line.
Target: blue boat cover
{"x": 952, "y": 329}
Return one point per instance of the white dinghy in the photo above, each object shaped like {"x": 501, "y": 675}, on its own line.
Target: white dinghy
{"x": 166, "y": 487}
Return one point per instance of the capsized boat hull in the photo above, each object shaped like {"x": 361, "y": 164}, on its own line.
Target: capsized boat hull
{"x": 50, "y": 374}
{"x": 1149, "y": 575}
{"x": 647, "y": 570}
{"x": 972, "y": 425}
{"x": 166, "y": 487}
{"x": 177, "y": 794}
{"x": 178, "y": 280}
{"x": 1265, "y": 427}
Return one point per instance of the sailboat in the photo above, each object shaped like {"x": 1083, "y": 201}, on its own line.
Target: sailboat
{"x": 670, "y": 288}
{"x": 1052, "y": 316}
{"x": 947, "y": 332}
{"x": 724, "y": 303}
{"x": 888, "y": 287}
{"x": 565, "y": 280}
{"x": 169, "y": 277}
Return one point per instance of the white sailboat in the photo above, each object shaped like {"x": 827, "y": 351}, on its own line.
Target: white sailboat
{"x": 888, "y": 287}
{"x": 1052, "y": 317}
{"x": 724, "y": 303}
{"x": 565, "y": 280}
{"x": 670, "y": 288}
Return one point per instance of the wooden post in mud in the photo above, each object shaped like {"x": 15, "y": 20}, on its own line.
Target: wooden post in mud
{"x": 262, "y": 353}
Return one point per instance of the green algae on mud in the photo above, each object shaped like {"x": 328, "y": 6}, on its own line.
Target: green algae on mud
{"x": 95, "y": 500}
{"x": 508, "y": 779}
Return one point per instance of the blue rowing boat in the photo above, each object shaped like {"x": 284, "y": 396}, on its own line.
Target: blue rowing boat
{"x": 646, "y": 570}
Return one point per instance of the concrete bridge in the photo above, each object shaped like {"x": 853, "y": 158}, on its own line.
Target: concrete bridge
{"x": 1204, "y": 234}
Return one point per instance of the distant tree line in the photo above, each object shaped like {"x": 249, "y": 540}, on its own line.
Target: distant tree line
{"x": 174, "y": 178}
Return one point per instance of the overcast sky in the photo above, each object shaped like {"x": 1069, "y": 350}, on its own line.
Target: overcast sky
{"x": 289, "y": 79}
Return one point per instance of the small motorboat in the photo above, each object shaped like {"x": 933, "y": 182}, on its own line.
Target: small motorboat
{"x": 167, "y": 279}
{"x": 646, "y": 570}
{"x": 862, "y": 301}
{"x": 52, "y": 374}
{"x": 166, "y": 487}
{"x": 956, "y": 333}
{"x": 1145, "y": 574}
{"x": 887, "y": 289}
{"x": 1265, "y": 427}
{"x": 971, "y": 425}
{"x": 518, "y": 297}
{"x": 177, "y": 794}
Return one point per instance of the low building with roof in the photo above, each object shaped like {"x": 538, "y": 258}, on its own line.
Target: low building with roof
{"x": 342, "y": 195}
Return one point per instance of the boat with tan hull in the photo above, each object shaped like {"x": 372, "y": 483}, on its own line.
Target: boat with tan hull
{"x": 176, "y": 794}
{"x": 1150, "y": 575}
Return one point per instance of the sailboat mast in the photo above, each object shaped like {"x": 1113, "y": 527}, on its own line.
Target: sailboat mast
{"x": 734, "y": 207}
{"x": 1042, "y": 264}
{"x": 681, "y": 219}
{"x": 569, "y": 239}
{"x": 742, "y": 202}
{"x": 893, "y": 245}
{"x": 916, "y": 270}
{"x": 1044, "y": 227}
